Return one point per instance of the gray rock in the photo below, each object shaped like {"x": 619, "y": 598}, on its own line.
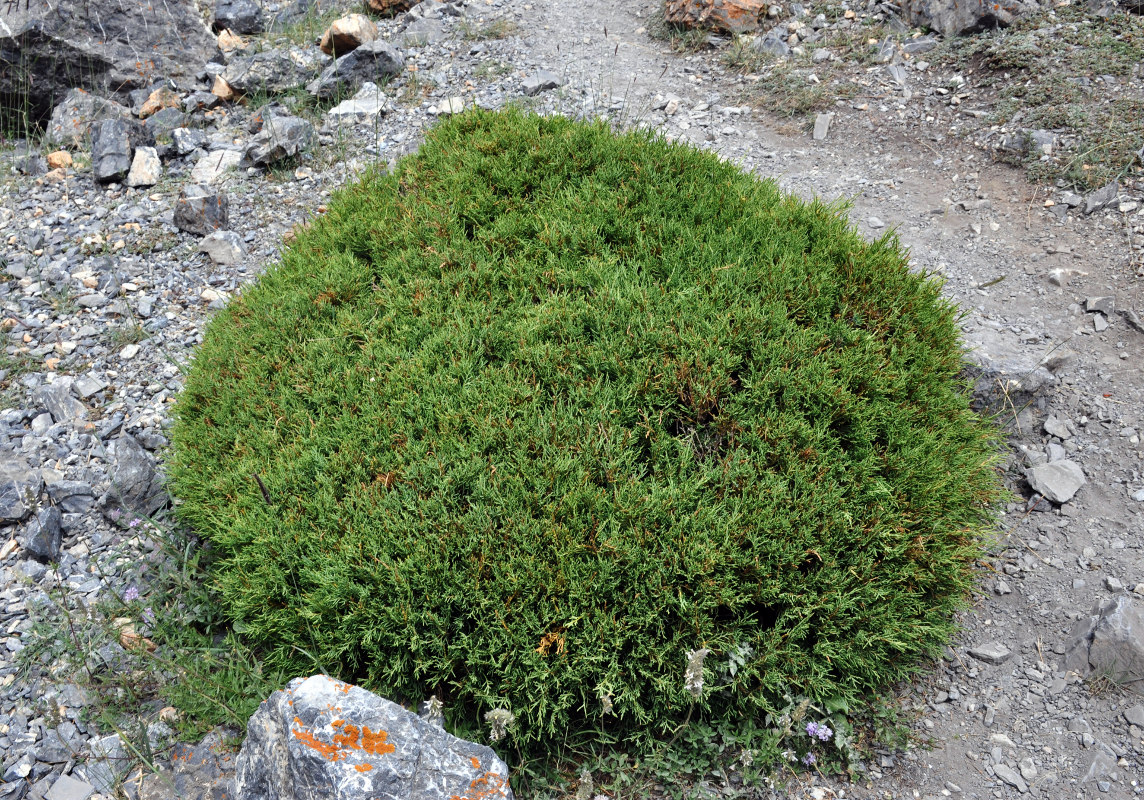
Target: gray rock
{"x": 1100, "y": 198}
{"x": 423, "y": 31}
{"x": 19, "y": 488}
{"x": 100, "y": 46}
{"x": 213, "y": 166}
{"x": 72, "y": 497}
{"x": 369, "y": 102}
{"x": 1110, "y": 641}
{"x": 958, "y": 17}
{"x": 109, "y": 761}
{"x": 772, "y": 42}
{"x": 1057, "y": 480}
{"x": 41, "y": 538}
{"x": 163, "y": 124}
{"x": 923, "y": 44}
{"x": 223, "y": 247}
{"x": 1057, "y": 428}
{"x": 373, "y": 61}
{"x": 1102, "y": 305}
{"x": 1135, "y": 715}
{"x": 1010, "y": 776}
{"x": 32, "y": 165}
{"x": 146, "y": 169}
{"x": 57, "y": 398}
{"x": 110, "y": 150}
{"x": 238, "y": 16}
{"x": 72, "y": 118}
{"x": 991, "y": 653}
{"x": 187, "y": 140}
{"x": 86, "y": 385}
{"x": 136, "y": 487}
{"x": 271, "y": 71}
{"x": 1133, "y": 319}
{"x": 200, "y": 101}
{"x": 885, "y": 52}
{"x": 540, "y": 81}
{"x": 280, "y": 137}
{"x": 381, "y": 750}
{"x": 208, "y": 767}
{"x": 200, "y": 210}
{"x": 68, "y": 788}
{"x": 822, "y": 125}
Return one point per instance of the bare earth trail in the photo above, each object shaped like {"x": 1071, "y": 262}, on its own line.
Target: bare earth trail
{"x": 985, "y": 228}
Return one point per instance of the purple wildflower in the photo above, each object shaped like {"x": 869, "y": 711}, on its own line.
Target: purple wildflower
{"x": 131, "y": 594}
{"x": 809, "y": 759}
{"x": 135, "y": 523}
{"x": 115, "y": 514}
{"x": 148, "y": 615}
{"x": 819, "y": 731}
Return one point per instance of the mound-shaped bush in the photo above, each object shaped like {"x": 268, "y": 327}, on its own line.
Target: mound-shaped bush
{"x": 527, "y": 421}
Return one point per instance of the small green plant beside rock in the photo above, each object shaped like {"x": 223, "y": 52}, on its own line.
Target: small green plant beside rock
{"x": 531, "y": 422}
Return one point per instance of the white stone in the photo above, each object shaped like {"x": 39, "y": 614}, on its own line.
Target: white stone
{"x": 146, "y": 168}
{"x": 368, "y": 102}
{"x": 822, "y": 125}
{"x": 223, "y": 247}
{"x": 214, "y": 166}
{"x": 129, "y": 352}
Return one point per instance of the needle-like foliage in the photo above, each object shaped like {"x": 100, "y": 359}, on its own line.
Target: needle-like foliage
{"x": 529, "y": 420}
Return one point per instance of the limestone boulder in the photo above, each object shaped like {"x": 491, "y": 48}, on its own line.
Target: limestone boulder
{"x": 101, "y": 46}
{"x": 320, "y": 738}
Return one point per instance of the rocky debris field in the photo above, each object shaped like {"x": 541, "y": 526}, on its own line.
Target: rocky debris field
{"x": 136, "y": 218}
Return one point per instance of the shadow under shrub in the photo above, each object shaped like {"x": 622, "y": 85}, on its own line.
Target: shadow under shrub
{"x": 548, "y": 408}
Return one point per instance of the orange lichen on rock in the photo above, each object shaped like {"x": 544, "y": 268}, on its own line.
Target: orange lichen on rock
{"x": 475, "y": 762}
{"x": 363, "y": 767}
{"x": 330, "y": 752}
{"x": 350, "y": 738}
{"x": 487, "y": 786}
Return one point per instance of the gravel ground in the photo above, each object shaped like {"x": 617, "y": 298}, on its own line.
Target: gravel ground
{"x": 105, "y": 299}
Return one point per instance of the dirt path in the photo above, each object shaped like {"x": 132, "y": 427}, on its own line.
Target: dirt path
{"x": 987, "y": 229}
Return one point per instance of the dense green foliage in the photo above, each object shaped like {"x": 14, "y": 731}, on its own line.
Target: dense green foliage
{"x": 549, "y": 407}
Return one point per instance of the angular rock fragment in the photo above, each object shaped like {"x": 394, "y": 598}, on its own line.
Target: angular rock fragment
{"x": 1058, "y": 480}
{"x": 111, "y": 150}
{"x": 369, "y": 102}
{"x": 56, "y": 397}
{"x": 146, "y": 169}
{"x": 348, "y": 33}
{"x": 271, "y": 72}
{"x": 72, "y": 119}
{"x": 373, "y": 61}
{"x": 1110, "y": 641}
{"x": 19, "y": 488}
{"x": 41, "y": 538}
{"x": 540, "y": 81}
{"x": 200, "y": 210}
{"x": 136, "y": 487}
{"x": 223, "y": 247}
{"x": 280, "y": 137}
{"x": 238, "y": 16}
